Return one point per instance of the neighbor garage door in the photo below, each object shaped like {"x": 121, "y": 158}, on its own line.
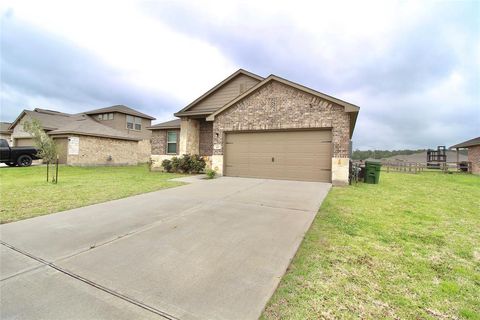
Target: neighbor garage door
{"x": 290, "y": 155}
{"x": 23, "y": 142}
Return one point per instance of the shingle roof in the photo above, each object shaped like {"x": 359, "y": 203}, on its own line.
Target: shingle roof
{"x": 122, "y": 109}
{"x": 63, "y": 123}
{"x": 84, "y": 125}
{"x": 4, "y": 127}
{"x": 49, "y": 120}
{"x": 172, "y": 124}
{"x": 468, "y": 143}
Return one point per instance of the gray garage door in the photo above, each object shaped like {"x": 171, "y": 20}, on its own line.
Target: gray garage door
{"x": 290, "y": 155}
{"x": 24, "y": 142}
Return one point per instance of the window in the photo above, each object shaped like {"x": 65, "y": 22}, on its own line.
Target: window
{"x": 172, "y": 142}
{"x": 105, "y": 116}
{"x": 134, "y": 123}
{"x": 138, "y": 123}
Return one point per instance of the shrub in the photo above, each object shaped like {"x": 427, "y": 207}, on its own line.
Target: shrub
{"x": 167, "y": 165}
{"x": 197, "y": 164}
{"x": 211, "y": 173}
{"x": 185, "y": 164}
{"x": 175, "y": 164}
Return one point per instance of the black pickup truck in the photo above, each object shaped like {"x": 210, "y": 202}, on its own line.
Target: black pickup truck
{"x": 17, "y": 156}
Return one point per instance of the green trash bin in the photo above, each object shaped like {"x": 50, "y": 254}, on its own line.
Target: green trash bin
{"x": 372, "y": 171}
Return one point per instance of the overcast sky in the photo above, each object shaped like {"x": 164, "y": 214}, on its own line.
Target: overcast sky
{"x": 412, "y": 67}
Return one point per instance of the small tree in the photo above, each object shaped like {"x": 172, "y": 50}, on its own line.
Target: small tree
{"x": 47, "y": 149}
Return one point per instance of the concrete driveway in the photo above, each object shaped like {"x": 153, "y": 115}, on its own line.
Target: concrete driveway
{"x": 212, "y": 249}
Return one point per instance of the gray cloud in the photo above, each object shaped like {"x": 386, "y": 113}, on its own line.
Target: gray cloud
{"x": 41, "y": 66}
{"x": 421, "y": 57}
{"x": 403, "y": 89}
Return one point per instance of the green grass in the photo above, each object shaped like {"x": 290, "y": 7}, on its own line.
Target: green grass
{"x": 408, "y": 248}
{"x": 24, "y": 193}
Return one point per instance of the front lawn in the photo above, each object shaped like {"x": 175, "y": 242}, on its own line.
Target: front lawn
{"x": 408, "y": 248}
{"x": 25, "y": 194}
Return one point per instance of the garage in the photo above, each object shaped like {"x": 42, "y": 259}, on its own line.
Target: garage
{"x": 24, "y": 142}
{"x": 289, "y": 155}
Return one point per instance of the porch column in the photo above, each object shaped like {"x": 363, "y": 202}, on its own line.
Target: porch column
{"x": 189, "y": 136}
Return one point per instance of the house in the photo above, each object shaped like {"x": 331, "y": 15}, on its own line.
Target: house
{"x": 116, "y": 135}
{"x": 473, "y": 146}
{"x": 5, "y": 132}
{"x": 250, "y": 126}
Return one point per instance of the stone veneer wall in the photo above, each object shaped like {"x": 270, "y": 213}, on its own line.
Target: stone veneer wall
{"x": 96, "y": 151}
{"x": 278, "y": 106}
{"x": 206, "y": 138}
{"x": 189, "y": 136}
{"x": 474, "y": 158}
{"x": 159, "y": 141}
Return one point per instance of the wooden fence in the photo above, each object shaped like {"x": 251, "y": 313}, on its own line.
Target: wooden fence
{"x": 406, "y": 167}
{"x": 416, "y": 167}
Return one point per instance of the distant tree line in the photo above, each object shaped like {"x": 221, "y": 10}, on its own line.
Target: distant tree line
{"x": 381, "y": 154}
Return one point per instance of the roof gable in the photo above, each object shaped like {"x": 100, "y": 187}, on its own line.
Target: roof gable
{"x": 121, "y": 109}
{"x": 222, "y": 93}
{"x": 50, "y": 120}
{"x": 348, "y": 107}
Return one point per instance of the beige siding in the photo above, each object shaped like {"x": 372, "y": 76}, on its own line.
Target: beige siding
{"x": 119, "y": 123}
{"x": 226, "y": 93}
{"x": 6, "y": 137}
{"x": 24, "y": 142}
{"x": 18, "y": 131}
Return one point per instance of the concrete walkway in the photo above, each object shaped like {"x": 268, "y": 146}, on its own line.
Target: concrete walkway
{"x": 212, "y": 249}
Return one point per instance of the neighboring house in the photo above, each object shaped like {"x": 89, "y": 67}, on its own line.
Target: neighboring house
{"x": 5, "y": 133}
{"x": 115, "y": 135}
{"x": 249, "y": 126}
{"x": 473, "y": 146}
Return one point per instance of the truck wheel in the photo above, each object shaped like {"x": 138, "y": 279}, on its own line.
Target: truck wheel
{"x": 11, "y": 164}
{"x": 24, "y": 161}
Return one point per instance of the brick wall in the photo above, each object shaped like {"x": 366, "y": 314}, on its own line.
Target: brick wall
{"x": 474, "y": 158}
{"x": 144, "y": 151}
{"x": 96, "y": 151}
{"x": 159, "y": 141}
{"x": 206, "y": 138}
{"x": 278, "y": 106}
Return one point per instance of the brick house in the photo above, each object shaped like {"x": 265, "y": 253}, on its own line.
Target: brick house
{"x": 115, "y": 135}
{"x": 250, "y": 126}
{"x": 473, "y": 147}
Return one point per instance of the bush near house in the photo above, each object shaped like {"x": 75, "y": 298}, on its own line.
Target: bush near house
{"x": 186, "y": 164}
{"x": 407, "y": 248}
